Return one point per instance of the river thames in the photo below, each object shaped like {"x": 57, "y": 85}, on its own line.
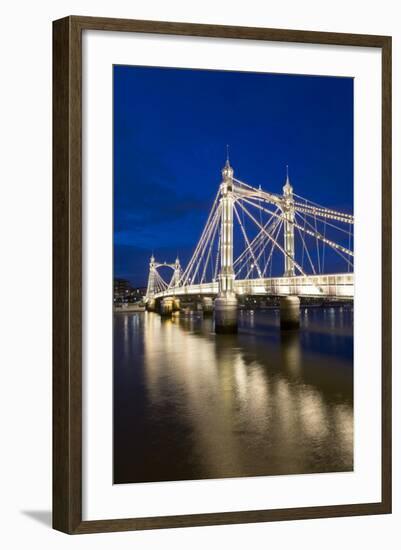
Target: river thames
{"x": 189, "y": 404}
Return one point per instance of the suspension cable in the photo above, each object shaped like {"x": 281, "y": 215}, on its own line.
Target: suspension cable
{"x": 337, "y": 248}
{"x": 204, "y": 245}
{"x": 317, "y": 248}
{"x": 247, "y": 241}
{"x": 200, "y": 247}
{"x": 269, "y": 236}
{"x": 275, "y": 235}
{"x": 305, "y": 248}
{"x": 277, "y": 225}
{"x": 311, "y": 233}
{"x": 257, "y": 239}
{"x": 216, "y": 225}
{"x": 205, "y": 229}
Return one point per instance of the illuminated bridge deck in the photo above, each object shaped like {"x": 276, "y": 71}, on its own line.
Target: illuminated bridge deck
{"x": 335, "y": 286}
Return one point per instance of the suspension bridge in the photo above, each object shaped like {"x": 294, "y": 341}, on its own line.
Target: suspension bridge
{"x": 247, "y": 233}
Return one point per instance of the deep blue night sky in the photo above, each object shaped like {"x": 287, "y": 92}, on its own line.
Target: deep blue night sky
{"x": 171, "y": 127}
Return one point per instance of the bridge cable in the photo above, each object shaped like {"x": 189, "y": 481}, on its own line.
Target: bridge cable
{"x": 216, "y": 225}
{"x": 247, "y": 241}
{"x": 258, "y": 245}
{"x": 317, "y": 248}
{"x": 267, "y": 242}
{"x": 205, "y": 243}
{"x": 200, "y": 246}
{"x": 260, "y": 219}
{"x": 349, "y": 242}
{"x": 257, "y": 241}
{"x": 312, "y": 215}
{"x": 326, "y": 211}
{"x": 332, "y": 244}
{"x": 270, "y": 257}
{"x": 305, "y": 248}
{"x": 217, "y": 256}
{"x": 194, "y": 255}
{"x": 324, "y": 245}
{"x": 243, "y": 224}
{"x": 268, "y": 235}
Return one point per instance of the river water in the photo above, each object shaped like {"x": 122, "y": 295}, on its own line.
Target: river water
{"x": 192, "y": 405}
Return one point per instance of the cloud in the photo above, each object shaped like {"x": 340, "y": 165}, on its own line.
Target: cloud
{"x": 139, "y": 216}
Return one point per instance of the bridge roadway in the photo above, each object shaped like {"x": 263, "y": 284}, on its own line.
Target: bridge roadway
{"x": 336, "y": 286}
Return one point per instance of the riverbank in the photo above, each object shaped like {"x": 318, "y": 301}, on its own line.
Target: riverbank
{"x": 128, "y": 308}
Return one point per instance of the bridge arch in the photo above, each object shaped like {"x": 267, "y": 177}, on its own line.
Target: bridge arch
{"x": 156, "y": 283}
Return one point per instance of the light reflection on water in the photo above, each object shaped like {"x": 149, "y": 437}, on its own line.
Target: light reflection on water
{"x": 192, "y": 405}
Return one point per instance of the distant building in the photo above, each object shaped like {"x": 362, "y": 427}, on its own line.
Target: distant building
{"x": 138, "y": 293}
{"x": 124, "y": 292}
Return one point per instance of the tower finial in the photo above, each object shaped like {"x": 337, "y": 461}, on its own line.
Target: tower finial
{"x": 287, "y": 186}
{"x": 227, "y": 172}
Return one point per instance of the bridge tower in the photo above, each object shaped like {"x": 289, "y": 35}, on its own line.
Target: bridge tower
{"x": 177, "y": 272}
{"x": 226, "y": 304}
{"x": 150, "y": 291}
{"x": 289, "y": 241}
{"x": 289, "y": 305}
{"x": 151, "y": 279}
{"x": 175, "y": 282}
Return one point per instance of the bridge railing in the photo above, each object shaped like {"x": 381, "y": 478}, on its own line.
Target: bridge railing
{"x": 330, "y": 286}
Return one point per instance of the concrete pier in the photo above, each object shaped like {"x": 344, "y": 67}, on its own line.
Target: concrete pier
{"x": 151, "y": 305}
{"x": 176, "y": 304}
{"x": 166, "y": 307}
{"x": 290, "y": 311}
{"x": 226, "y": 315}
{"x": 207, "y": 306}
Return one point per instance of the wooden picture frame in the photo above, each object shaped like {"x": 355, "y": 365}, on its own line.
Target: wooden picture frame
{"x": 67, "y": 273}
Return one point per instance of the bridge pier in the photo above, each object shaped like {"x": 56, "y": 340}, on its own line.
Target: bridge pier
{"x": 176, "y": 304}
{"x": 151, "y": 305}
{"x": 207, "y": 306}
{"x": 290, "y": 311}
{"x": 226, "y": 314}
{"x": 166, "y": 307}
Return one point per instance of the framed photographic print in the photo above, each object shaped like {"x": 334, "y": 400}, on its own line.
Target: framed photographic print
{"x": 222, "y": 274}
